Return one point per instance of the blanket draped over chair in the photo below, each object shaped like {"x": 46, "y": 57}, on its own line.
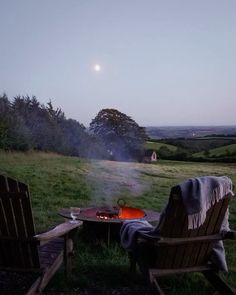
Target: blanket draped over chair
{"x": 199, "y": 195}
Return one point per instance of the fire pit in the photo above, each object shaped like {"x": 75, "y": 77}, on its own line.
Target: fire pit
{"x": 111, "y": 214}
{"x": 106, "y": 221}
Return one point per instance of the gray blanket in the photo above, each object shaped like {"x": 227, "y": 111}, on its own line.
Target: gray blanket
{"x": 198, "y": 194}
{"x": 130, "y": 230}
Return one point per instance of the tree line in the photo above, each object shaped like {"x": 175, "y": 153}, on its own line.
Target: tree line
{"x": 26, "y": 124}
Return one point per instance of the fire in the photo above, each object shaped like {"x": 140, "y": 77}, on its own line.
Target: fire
{"x": 131, "y": 213}
{"x": 108, "y": 213}
{"x": 122, "y": 213}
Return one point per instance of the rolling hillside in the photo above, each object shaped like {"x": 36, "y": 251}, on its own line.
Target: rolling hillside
{"x": 157, "y": 145}
{"x": 209, "y": 148}
{"x": 224, "y": 151}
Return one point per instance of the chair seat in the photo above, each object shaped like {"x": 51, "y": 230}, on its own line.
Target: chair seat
{"x": 49, "y": 252}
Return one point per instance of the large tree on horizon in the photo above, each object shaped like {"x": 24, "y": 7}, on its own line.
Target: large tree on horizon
{"x": 123, "y": 137}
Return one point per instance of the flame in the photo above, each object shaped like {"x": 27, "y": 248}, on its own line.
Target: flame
{"x": 124, "y": 213}
{"x": 131, "y": 213}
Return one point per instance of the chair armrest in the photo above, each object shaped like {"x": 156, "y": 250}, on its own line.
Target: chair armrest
{"x": 145, "y": 238}
{"x": 159, "y": 241}
{"x": 58, "y": 231}
{"x": 149, "y": 237}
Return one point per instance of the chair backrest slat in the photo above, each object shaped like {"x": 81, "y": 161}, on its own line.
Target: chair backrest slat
{"x": 18, "y": 249}
{"x": 27, "y": 211}
{"x": 171, "y": 228}
{"x": 7, "y": 218}
{"x": 216, "y": 217}
{"x": 16, "y": 207}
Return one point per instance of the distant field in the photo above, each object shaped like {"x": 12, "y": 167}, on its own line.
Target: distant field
{"x": 189, "y": 131}
{"x": 216, "y": 137}
{"x": 220, "y": 151}
{"x": 56, "y": 181}
{"x": 157, "y": 145}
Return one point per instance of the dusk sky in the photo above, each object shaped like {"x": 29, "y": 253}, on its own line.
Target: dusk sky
{"x": 162, "y": 62}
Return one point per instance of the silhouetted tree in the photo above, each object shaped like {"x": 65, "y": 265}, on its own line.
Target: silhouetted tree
{"x": 123, "y": 137}
{"x": 27, "y": 124}
{"x": 4, "y": 121}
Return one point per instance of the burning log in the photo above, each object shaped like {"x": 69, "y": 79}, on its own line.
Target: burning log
{"x": 108, "y": 213}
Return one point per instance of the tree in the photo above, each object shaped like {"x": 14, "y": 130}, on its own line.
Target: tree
{"x": 43, "y": 128}
{"x": 123, "y": 138}
{"x": 4, "y": 121}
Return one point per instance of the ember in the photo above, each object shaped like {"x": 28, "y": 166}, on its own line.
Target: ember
{"x": 108, "y": 213}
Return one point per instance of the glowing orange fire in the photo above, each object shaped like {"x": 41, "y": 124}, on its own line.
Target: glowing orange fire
{"x": 123, "y": 213}
{"x": 130, "y": 213}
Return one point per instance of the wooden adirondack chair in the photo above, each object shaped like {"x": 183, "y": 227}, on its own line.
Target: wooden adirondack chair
{"x": 38, "y": 257}
{"x": 179, "y": 249}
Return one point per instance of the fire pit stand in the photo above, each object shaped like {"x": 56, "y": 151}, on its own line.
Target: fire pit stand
{"x": 104, "y": 222}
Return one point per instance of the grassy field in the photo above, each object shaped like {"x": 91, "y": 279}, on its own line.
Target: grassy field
{"x": 157, "y": 145}
{"x": 223, "y": 151}
{"x": 56, "y": 181}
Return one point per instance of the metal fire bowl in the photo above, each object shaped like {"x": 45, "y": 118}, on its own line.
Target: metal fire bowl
{"x": 89, "y": 215}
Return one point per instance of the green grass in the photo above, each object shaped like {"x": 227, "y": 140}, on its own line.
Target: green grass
{"x": 216, "y": 137}
{"x": 223, "y": 151}
{"x": 157, "y": 145}
{"x": 56, "y": 181}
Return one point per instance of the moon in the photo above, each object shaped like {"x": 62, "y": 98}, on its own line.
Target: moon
{"x": 97, "y": 68}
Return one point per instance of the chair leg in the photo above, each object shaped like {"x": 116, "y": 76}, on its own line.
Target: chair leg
{"x": 68, "y": 253}
{"x": 154, "y": 286}
{"x": 132, "y": 261}
{"x": 220, "y": 285}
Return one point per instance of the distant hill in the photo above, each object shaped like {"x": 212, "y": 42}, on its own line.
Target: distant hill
{"x": 210, "y": 148}
{"x": 224, "y": 151}
{"x": 150, "y": 145}
{"x": 195, "y": 145}
{"x": 156, "y": 132}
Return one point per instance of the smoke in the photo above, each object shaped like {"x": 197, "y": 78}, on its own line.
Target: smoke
{"x": 112, "y": 180}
